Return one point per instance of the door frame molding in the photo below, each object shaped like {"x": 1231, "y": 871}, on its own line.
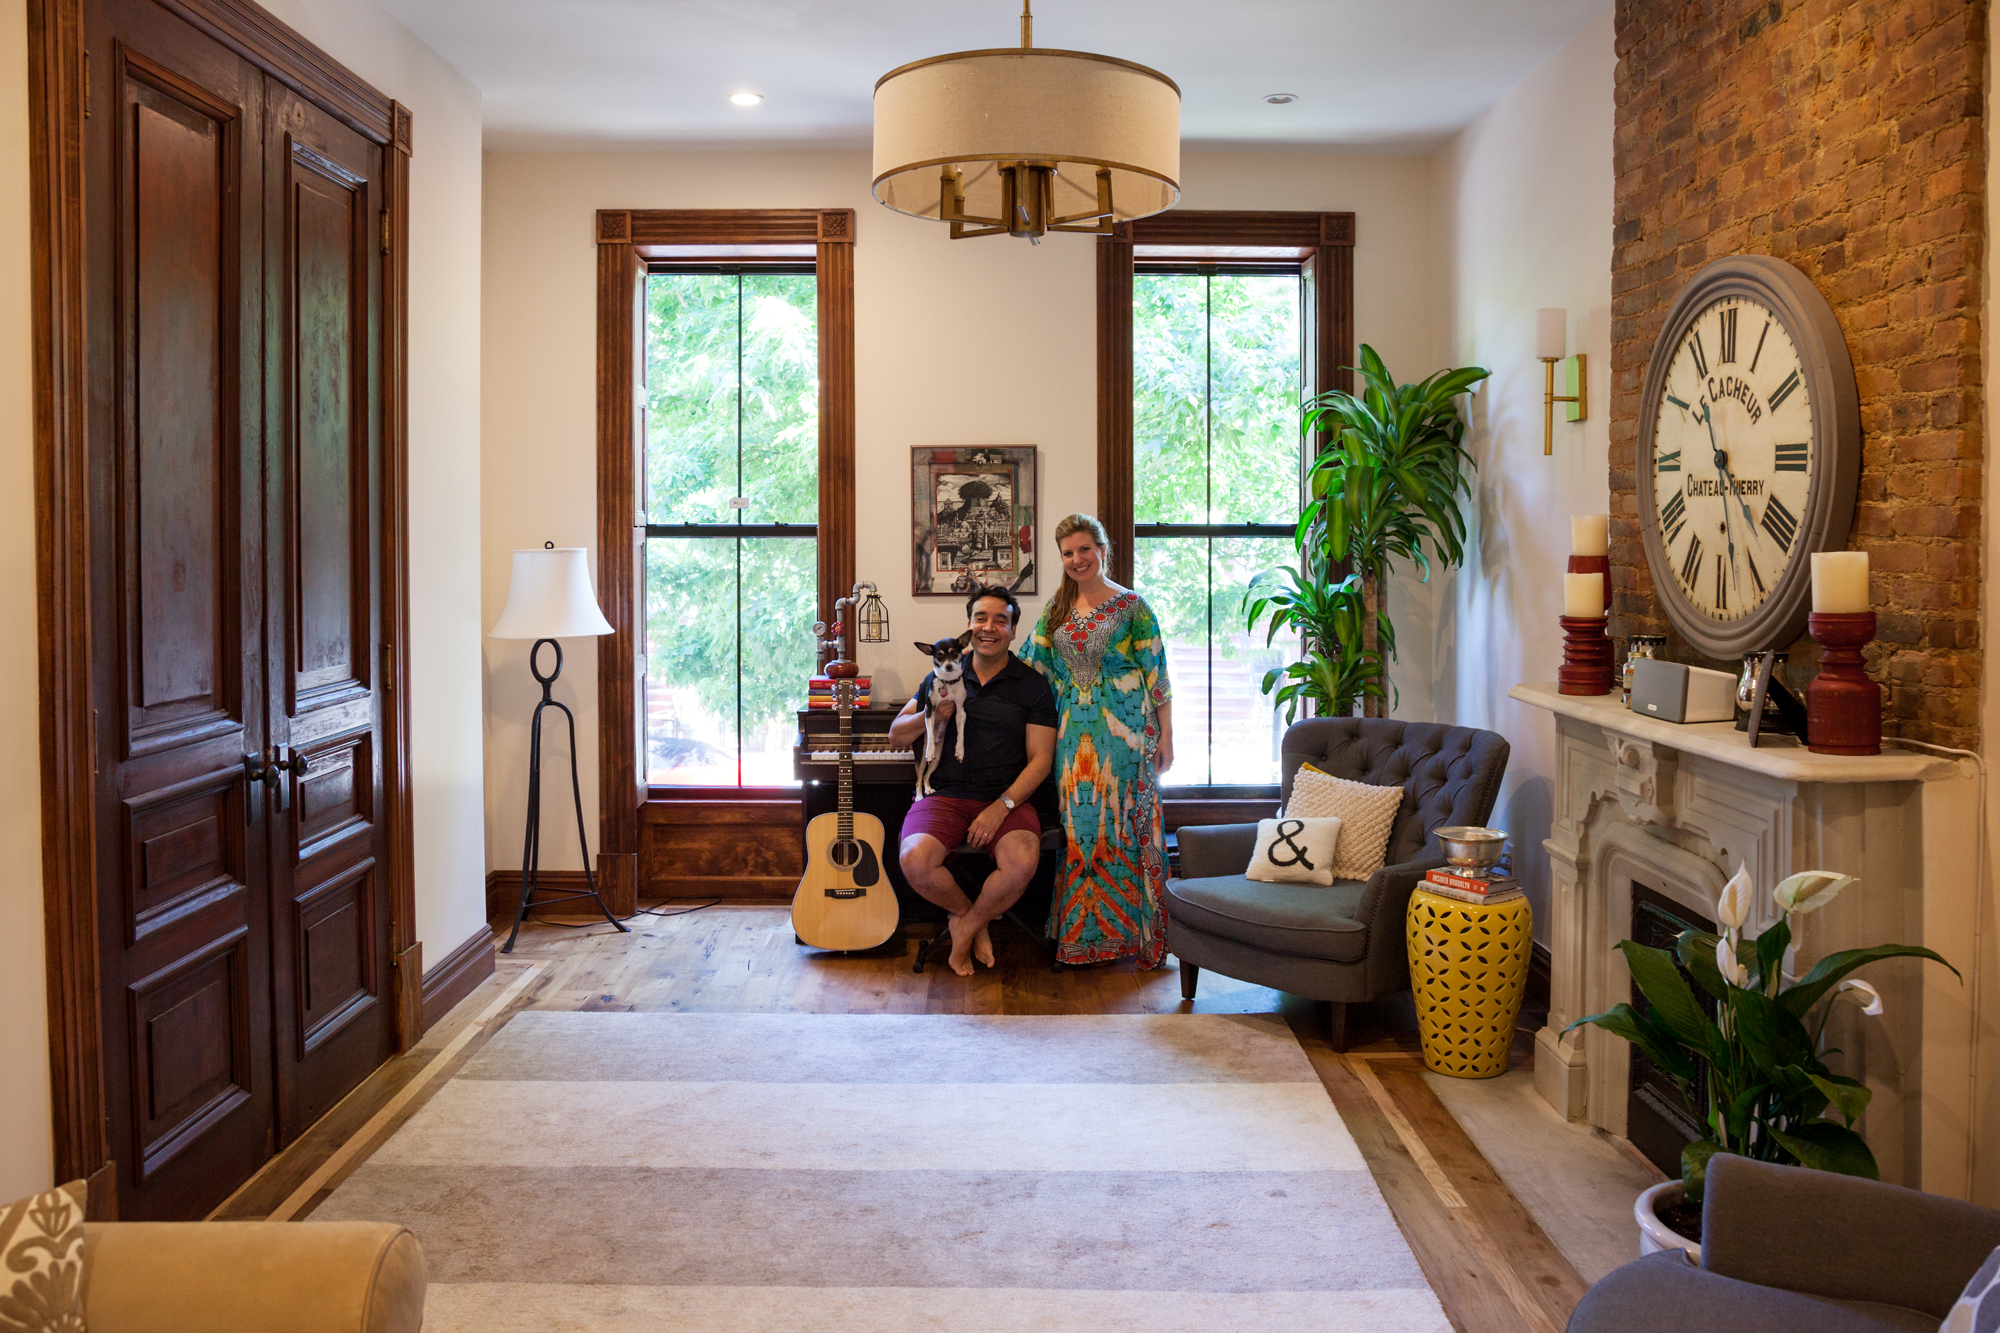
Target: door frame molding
{"x": 58, "y": 78}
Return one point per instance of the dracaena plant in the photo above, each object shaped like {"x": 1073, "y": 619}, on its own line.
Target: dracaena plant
{"x": 1386, "y": 484}
{"x": 1769, "y": 1090}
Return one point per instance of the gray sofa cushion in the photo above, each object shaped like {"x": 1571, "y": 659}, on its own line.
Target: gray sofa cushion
{"x": 1304, "y": 920}
{"x": 1663, "y": 1293}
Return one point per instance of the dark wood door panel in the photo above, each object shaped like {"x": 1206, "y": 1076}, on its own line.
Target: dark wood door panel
{"x": 330, "y": 222}
{"x": 180, "y": 322}
{"x": 192, "y": 1053}
{"x": 334, "y": 932}
{"x": 185, "y": 851}
{"x": 335, "y": 801}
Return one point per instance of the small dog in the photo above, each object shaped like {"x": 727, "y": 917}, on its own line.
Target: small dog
{"x": 947, "y": 682}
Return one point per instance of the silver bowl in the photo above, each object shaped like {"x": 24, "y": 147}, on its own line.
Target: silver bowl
{"x": 1472, "y": 848}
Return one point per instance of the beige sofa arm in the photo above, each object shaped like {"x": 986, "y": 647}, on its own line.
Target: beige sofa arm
{"x": 227, "y": 1277}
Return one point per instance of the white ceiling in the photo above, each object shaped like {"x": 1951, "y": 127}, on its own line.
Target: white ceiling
{"x": 1383, "y": 74}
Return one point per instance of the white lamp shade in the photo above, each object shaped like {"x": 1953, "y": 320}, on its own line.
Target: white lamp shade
{"x": 1551, "y": 333}
{"x": 1079, "y": 111}
{"x": 549, "y": 597}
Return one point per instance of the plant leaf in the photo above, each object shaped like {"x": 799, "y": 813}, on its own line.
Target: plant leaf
{"x": 1661, "y": 982}
{"x": 1826, "y": 974}
{"x": 1847, "y": 1096}
{"x": 1825, "y": 1146}
{"x": 1648, "y": 1034}
{"x": 1771, "y": 946}
{"x": 1694, "y": 1166}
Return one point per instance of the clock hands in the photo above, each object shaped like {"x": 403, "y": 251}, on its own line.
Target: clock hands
{"x": 1723, "y": 479}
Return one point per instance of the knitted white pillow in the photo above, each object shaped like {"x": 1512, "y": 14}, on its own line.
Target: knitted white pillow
{"x": 1367, "y": 816}
{"x": 1978, "y": 1308}
{"x": 1294, "y": 851}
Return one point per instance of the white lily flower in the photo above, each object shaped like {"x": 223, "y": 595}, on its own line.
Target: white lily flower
{"x": 1874, "y": 1006}
{"x": 1809, "y": 890}
{"x": 1732, "y": 971}
{"x": 1732, "y": 909}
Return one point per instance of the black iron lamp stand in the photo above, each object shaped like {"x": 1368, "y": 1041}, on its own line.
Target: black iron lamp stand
{"x": 531, "y": 847}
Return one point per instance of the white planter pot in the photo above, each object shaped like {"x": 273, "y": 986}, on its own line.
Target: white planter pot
{"x": 1655, "y": 1235}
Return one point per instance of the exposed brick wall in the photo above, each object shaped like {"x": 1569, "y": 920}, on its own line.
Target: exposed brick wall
{"x": 1846, "y": 139}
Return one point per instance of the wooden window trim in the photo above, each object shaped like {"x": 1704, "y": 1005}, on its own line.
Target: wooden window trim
{"x": 1323, "y": 243}
{"x": 627, "y": 239}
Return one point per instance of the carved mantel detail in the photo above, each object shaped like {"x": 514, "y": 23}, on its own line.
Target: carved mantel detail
{"x": 1645, "y": 773}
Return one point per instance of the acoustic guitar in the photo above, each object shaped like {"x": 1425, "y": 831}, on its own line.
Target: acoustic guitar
{"x": 845, "y": 900}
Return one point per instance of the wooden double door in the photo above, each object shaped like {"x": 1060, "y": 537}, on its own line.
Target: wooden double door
{"x": 234, "y": 234}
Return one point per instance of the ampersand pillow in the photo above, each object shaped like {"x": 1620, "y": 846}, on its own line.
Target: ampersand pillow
{"x": 1294, "y": 851}
{"x": 1367, "y": 811}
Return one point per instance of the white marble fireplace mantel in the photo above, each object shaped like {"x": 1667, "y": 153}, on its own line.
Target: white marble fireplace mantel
{"x": 1676, "y": 808}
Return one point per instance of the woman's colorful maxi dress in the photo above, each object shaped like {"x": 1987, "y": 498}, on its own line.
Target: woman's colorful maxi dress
{"x": 1108, "y": 668}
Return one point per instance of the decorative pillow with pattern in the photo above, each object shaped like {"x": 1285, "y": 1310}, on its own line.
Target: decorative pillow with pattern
{"x": 1978, "y": 1310}
{"x": 1294, "y": 851}
{"x": 41, "y": 1262}
{"x": 1367, "y": 816}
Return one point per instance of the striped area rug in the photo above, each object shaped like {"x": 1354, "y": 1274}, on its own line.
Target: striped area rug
{"x": 737, "y": 1172}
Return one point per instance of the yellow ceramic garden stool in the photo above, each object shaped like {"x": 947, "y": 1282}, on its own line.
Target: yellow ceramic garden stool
{"x": 1468, "y": 969}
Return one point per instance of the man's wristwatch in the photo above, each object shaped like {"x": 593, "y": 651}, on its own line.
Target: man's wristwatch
{"x": 1008, "y": 801}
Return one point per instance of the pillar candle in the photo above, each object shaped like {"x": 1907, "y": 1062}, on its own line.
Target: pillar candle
{"x": 1583, "y": 595}
{"x": 1589, "y": 534}
{"x": 1840, "y": 582}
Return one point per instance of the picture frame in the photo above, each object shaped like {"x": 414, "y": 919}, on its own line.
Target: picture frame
{"x": 973, "y": 511}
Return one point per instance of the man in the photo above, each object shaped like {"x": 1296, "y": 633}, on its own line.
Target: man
{"x": 1010, "y": 745}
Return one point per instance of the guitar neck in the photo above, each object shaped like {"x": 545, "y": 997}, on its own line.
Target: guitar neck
{"x": 844, "y": 696}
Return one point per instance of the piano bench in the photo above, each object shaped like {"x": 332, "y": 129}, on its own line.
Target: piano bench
{"x": 965, "y": 864}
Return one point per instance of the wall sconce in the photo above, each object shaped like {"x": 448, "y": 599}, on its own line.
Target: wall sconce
{"x": 1551, "y": 333}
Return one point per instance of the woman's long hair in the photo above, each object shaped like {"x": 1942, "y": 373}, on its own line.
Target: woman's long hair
{"x": 1065, "y": 598}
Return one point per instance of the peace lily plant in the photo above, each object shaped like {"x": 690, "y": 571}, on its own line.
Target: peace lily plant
{"x": 1769, "y": 1090}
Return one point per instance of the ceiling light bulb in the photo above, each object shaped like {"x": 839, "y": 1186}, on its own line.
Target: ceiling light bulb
{"x": 746, "y": 99}
{"x": 1280, "y": 99}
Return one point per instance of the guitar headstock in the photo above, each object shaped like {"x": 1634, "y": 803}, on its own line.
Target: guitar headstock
{"x": 845, "y": 691}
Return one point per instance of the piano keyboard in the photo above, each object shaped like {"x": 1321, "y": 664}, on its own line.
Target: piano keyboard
{"x": 860, "y": 756}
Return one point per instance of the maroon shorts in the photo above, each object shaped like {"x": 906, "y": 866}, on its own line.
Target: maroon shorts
{"x": 946, "y": 818}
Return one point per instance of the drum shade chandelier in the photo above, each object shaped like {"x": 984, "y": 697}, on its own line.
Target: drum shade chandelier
{"x": 1027, "y": 141}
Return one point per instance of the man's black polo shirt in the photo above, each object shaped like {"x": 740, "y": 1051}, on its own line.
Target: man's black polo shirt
{"x": 997, "y": 717}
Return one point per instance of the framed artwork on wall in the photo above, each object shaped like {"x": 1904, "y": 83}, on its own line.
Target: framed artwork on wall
{"x": 973, "y": 513}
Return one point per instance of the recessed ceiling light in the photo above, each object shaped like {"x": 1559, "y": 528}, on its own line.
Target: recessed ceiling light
{"x": 746, "y": 99}
{"x": 1280, "y": 99}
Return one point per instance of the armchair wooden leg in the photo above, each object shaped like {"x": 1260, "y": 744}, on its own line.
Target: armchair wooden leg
{"x": 1336, "y": 1024}
{"x": 1190, "y": 978}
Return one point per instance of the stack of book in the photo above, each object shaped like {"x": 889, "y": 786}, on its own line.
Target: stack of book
{"x": 819, "y": 692}
{"x": 1472, "y": 886}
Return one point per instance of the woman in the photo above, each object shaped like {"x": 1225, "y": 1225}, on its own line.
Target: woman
{"x": 1100, "y": 647}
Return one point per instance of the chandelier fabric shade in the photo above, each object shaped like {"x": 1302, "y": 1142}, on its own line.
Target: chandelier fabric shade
{"x": 1040, "y": 140}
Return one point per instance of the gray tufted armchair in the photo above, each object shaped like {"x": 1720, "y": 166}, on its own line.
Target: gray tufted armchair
{"x": 1343, "y": 943}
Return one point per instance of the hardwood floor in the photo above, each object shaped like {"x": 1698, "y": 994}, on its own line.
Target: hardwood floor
{"x": 1490, "y": 1263}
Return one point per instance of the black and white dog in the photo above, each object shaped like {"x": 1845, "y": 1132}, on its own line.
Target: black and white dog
{"x": 947, "y": 682}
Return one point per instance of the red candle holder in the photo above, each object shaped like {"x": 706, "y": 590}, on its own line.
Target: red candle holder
{"x": 1586, "y": 667}
{"x": 1843, "y": 706}
{"x": 1594, "y": 564}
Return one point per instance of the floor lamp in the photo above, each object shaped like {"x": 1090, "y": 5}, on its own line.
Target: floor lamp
{"x": 549, "y": 598}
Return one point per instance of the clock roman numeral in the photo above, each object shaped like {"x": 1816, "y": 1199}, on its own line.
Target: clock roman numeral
{"x": 1792, "y": 457}
{"x": 1692, "y": 565}
{"x": 1721, "y": 585}
{"x": 1672, "y": 515}
{"x": 1668, "y": 462}
{"x": 1784, "y": 390}
{"x": 1755, "y": 577}
{"x": 1677, "y": 402}
{"x": 1700, "y": 361}
{"x": 1780, "y": 522}
{"x": 1728, "y": 337}
{"x": 1760, "y": 346}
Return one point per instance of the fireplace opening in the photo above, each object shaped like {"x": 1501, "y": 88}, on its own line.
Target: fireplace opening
{"x": 1658, "y": 1119}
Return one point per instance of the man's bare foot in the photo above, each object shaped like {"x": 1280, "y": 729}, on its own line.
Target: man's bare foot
{"x": 961, "y": 947}
{"x": 982, "y": 946}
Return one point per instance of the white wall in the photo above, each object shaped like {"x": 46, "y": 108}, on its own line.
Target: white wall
{"x": 447, "y": 777}
{"x": 1523, "y": 201}
{"x": 444, "y": 573}
{"x": 986, "y": 341}
{"x": 25, "y": 1146}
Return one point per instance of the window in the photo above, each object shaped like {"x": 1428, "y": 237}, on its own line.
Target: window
{"x": 731, "y": 515}
{"x": 1217, "y": 469}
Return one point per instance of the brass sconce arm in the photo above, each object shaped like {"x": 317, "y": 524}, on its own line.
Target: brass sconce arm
{"x": 1575, "y": 380}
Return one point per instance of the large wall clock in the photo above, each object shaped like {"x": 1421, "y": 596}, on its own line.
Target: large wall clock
{"x": 1749, "y": 453}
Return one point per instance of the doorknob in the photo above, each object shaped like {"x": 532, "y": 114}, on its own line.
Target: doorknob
{"x": 255, "y": 770}
{"x": 290, "y": 761}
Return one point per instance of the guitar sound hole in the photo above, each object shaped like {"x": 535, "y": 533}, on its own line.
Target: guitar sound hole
{"x": 844, "y": 853}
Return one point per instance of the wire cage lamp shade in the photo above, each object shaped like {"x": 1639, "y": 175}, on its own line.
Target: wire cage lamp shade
{"x": 872, "y": 618}
{"x": 1025, "y": 140}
